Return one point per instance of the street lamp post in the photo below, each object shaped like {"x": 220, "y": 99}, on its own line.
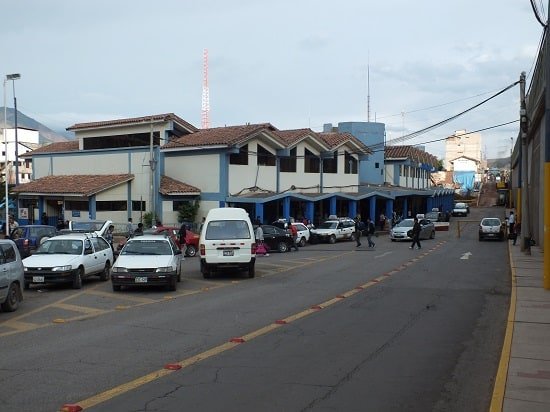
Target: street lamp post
{"x": 13, "y": 77}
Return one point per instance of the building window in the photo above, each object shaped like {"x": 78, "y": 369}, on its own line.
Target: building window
{"x": 138, "y": 206}
{"x": 81, "y": 205}
{"x": 350, "y": 165}
{"x": 330, "y": 165}
{"x": 265, "y": 157}
{"x": 178, "y": 204}
{"x": 111, "y": 205}
{"x": 288, "y": 164}
{"x": 377, "y": 165}
{"x": 311, "y": 162}
{"x": 240, "y": 158}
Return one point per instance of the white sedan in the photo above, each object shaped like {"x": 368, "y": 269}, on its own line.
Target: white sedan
{"x": 69, "y": 259}
{"x": 148, "y": 260}
{"x": 402, "y": 231}
{"x": 303, "y": 233}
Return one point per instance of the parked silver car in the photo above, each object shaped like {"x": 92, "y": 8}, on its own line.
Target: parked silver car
{"x": 12, "y": 276}
{"x": 402, "y": 231}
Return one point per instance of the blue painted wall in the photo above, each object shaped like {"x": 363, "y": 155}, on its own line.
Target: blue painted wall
{"x": 369, "y": 133}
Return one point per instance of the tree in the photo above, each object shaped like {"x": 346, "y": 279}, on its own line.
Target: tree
{"x": 188, "y": 211}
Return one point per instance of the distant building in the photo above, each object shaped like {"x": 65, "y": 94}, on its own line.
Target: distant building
{"x": 27, "y": 140}
{"x": 462, "y": 144}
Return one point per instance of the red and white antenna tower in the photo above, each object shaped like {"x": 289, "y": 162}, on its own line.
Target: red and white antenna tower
{"x": 205, "y": 124}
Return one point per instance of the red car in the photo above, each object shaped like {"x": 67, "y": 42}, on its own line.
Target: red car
{"x": 191, "y": 238}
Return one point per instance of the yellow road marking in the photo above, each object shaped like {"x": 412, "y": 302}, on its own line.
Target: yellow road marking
{"x": 121, "y": 297}
{"x": 497, "y": 400}
{"x": 20, "y": 326}
{"x": 77, "y": 308}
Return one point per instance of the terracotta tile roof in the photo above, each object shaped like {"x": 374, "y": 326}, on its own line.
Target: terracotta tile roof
{"x": 409, "y": 152}
{"x": 70, "y": 146}
{"x": 77, "y": 185}
{"x": 169, "y": 186}
{"x": 292, "y": 136}
{"x": 336, "y": 139}
{"x": 228, "y": 135}
{"x": 143, "y": 119}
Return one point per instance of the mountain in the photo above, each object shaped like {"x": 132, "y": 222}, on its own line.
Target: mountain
{"x": 46, "y": 135}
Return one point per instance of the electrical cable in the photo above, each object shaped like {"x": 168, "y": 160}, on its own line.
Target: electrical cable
{"x": 537, "y": 14}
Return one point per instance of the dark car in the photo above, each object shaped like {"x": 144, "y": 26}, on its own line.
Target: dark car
{"x": 276, "y": 238}
{"x": 29, "y": 237}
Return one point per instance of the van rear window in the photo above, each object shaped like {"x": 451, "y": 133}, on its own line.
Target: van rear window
{"x": 227, "y": 229}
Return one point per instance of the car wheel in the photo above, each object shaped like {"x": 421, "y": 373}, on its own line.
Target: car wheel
{"x": 117, "y": 288}
{"x": 205, "y": 270}
{"x": 173, "y": 285}
{"x": 12, "y": 300}
{"x": 352, "y": 237}
{"x": 27, "y": 285}
{"x": 332, "y": 239}
{"x": 282, "y": 247}
{"x": 191, "y": 251}
{"x": 77, "y": 280}
{"x": 393, "y": 240}
{"x": 302, "y": 242}
{"x": 432, "y": 235}
{"x": 480, "y": 238}
{"x": 104, "y": 276}
{"x": 251, "y": 270}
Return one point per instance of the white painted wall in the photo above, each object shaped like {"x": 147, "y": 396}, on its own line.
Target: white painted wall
{"x": 201, "y": 171}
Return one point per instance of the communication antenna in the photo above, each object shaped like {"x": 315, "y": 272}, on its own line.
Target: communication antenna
{"x": 368, "y": 92}
{"x": 205, "y": 123}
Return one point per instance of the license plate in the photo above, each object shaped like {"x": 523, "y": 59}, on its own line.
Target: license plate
{"x": 228, "y": 253}
{"x": 38, "y": 279}
{"x": 141, "y": 279}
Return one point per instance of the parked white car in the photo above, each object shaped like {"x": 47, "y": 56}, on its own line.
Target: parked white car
{"x": 11, "y": 276}
{"x": 69, "y": 258}
{"x": 99, "y": 227}
{"x": 332, "y": 230}
{"x": 303, "y": 233}
{"x": 148, "y": 260}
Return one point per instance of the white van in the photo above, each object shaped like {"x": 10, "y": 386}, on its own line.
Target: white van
{"x": 227, "y": 240}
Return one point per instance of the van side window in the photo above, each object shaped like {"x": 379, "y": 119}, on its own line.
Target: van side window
{"x": 9, "y": 253}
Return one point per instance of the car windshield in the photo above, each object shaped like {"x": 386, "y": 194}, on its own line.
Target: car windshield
{"x": 328, "y": 225}
{"x": 60, "y": 247}
{"x": 147, "y": 247}
{"x": 490, "y": 222}
{"x": 405, "y": 223}
{"x": 431, "y": 215}
{"x": 460, "y": 206}
{"x": 227, "y": 229}
{"x": 87, "y": 226}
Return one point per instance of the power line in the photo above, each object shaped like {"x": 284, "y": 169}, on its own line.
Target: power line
{"x": 441, "y": 123}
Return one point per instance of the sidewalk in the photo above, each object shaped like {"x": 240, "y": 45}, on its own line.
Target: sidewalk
{"x": 522, "y": 383}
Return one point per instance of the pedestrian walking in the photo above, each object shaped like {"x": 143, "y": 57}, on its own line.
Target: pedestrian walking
{"x": 511, "y": 222}
{"x": 261, "y": 249}
{"x": 130, "y": 228}
{"x": 415, "y": 234}
{"x": 382, "y": 221}
{"x": 370, "y": 231}
{"x": 182, "y": 235}
{"x": 359, "y": 227}
{"x": 294, "y": 234}
{"x": 109, "y": 236}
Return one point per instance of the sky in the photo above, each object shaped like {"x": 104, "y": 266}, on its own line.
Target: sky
{"x": 292, "y": 63}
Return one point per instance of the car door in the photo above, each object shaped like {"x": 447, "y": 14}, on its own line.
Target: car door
{"x": 102, "y": 253}
{"x": 4, "y": 276}
{"x": 270, "y": 236}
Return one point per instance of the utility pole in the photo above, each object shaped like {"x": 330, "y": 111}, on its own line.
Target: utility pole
{"x": 546, "y": 179}
{"x": 152, "y": 164}
{"x": 525, "y": 229}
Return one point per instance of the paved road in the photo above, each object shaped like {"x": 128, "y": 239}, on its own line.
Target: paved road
{"x": 332, "y": 327}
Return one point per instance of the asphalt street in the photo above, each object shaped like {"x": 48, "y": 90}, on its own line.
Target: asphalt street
{"x": 331, "y": 327}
